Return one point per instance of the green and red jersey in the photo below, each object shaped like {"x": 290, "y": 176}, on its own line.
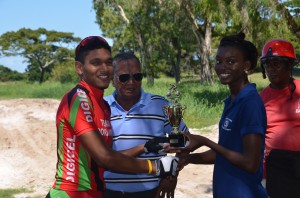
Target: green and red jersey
{"x": 81, "y": 110}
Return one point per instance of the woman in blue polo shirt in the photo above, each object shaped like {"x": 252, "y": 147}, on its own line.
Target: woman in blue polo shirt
{"x": 239, "y": 152}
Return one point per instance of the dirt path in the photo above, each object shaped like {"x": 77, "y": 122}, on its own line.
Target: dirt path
{"x": 28, "y": 150}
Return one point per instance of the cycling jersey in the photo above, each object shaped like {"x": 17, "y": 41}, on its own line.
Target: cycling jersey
{"x": 81, "y": 111}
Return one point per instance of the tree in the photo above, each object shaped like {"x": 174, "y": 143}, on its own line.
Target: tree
{"x": 167, "y": 32}
{"x": 155, "y": 30}
{"x": 40, "y": 48}
{"x": 164, "y": 30}
{"x": 64, "y": 72}
{"x": 7, "y": 74}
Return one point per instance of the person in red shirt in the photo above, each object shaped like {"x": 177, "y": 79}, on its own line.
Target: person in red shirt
{"x": 282, "y": 103}
{"x": 84, "y": 131}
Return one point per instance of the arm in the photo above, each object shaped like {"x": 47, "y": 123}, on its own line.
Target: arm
{"x": 247, "y": 160}
{"x": 155, "y": 145}
{"x": 135, "y": 151}
{"x": 110, "y": 159}
{"x": 250, "y": 157}
{"x": 207, "y": 157}
{"x": 167, "y": 186}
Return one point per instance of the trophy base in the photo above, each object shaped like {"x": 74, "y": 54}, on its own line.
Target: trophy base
{"x": 177, "y": 140}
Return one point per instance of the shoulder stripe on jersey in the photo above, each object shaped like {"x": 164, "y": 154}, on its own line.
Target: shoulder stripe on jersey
{"x": 74, "y": 91}
{"x": 70, "y": 96}
{"x": 60, "y": 155}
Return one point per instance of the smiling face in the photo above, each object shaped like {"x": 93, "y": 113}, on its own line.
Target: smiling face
{"x": 230, "y": 66}
{"x": 96, "y": 69}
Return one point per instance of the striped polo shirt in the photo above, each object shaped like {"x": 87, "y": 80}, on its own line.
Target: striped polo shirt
{"x": 145, "y": 120}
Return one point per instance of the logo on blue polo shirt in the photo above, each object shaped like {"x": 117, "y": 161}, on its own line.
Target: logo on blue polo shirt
{"x": 227, "y": 124}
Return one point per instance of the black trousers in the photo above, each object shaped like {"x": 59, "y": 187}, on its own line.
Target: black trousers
{"x": 283, "y": 174}
{"x": 119, "y": 194}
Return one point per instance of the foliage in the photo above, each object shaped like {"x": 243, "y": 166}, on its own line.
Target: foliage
{"x": 34, "y": 73}
{"x": 204, "y": 102}
{"x": 172, "y": 38}
{"x": 185, "y": 33}
{"x": 148, "y": 29}
{"x": 64, "y": 72}
{"x": 41, "y": 48}
{"x": 7, "y": 74}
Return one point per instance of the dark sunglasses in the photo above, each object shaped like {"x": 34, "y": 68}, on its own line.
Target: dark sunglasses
{"x": 125, "y": 77}
{"x": 88, "y": 40}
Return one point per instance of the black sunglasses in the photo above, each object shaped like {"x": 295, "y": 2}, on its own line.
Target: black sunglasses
{"x": 125, "y": 77}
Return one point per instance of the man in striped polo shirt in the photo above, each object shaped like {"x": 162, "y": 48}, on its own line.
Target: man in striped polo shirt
{"x": 84, "y": 130}
{"x": 136, "y": 116}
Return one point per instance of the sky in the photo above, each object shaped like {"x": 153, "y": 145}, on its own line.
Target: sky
{"x": 75, "y": 16}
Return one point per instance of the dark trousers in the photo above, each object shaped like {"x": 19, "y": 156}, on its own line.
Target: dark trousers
{"x": 283, "y": 174}
{"x": 119, "y": 194}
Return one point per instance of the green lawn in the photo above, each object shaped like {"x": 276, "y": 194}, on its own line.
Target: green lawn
{"x": 204, "y": 103}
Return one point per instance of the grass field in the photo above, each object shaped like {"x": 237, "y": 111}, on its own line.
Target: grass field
{"x": 204, "y": 103}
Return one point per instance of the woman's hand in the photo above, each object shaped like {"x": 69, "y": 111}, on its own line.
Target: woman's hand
{"x": 183, "y": 160}
{"x": 194, "y": 141}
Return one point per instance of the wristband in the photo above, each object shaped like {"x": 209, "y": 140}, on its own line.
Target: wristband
{"x": 150, "y": 166}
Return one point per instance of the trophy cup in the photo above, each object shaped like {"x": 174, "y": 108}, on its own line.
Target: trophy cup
{"x": 174, "y": 111}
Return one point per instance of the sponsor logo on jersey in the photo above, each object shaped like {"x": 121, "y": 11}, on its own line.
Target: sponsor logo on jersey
{"x": 105, "y": 130}
{"x": 85, "y": 106}
{"x": 70, "y": 143}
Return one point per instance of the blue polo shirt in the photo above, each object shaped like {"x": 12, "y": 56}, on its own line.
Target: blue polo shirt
{"x": 145, "y": 120}
{"x": 244, "y": 115}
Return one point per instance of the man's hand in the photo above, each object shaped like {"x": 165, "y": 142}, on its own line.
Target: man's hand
{"x": 155, "y": 145}
{"x": 166, "y": 166}
{"x": 166, "y": 187}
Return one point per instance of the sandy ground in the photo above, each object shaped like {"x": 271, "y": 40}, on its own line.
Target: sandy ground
{"x": 28, "y": 150}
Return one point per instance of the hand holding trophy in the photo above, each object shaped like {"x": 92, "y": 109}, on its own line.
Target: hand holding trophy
{"x": 174, "y": 111}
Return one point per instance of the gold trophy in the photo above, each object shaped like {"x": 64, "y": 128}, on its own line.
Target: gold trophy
{"x": 174, "y": 111}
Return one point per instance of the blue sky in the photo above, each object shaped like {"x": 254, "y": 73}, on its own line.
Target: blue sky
{"x": 76, "y": 16}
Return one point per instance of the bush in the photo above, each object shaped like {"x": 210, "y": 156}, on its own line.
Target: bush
{"x": 64, "y": 72}
{"x": 7, "y": 74}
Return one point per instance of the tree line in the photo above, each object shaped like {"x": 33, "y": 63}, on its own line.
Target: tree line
{"x": 170, "y": 37}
